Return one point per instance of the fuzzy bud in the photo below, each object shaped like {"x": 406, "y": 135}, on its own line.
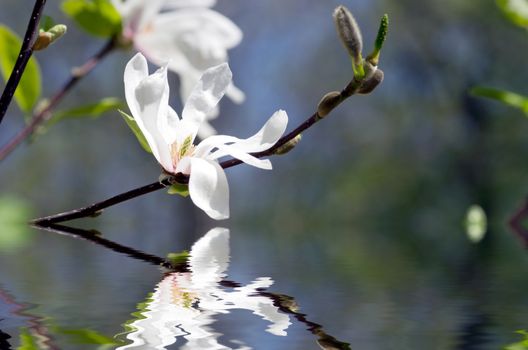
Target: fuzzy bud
{"x": 350, "y": 35}
{"x": 288, "y": 146}
{"x": 370, "y": 84}
{"x": 329, "y": 101}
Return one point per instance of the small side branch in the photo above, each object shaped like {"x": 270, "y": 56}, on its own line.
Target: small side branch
{"x": 45, "y": 113}
{"x": 25, "y": 54}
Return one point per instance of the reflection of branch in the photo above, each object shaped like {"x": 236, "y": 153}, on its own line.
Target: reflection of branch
{"x": 96, "y": 238}
{"x": 35, "y": 323}
{"x": 284, "y": 302}
{"x": 45, "y": 113}
{"x": 23, "y": 57}
{"x": 180, "y": 178}
{"x": 516, "y": 223}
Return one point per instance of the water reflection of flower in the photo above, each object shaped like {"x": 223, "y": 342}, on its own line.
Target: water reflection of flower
{"x": 184, "y": 304}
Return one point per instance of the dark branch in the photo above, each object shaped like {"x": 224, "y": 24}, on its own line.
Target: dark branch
{"x": 46, "y": 113}
{"x": 23, "y": 57}
{"x": 95, "y": 209}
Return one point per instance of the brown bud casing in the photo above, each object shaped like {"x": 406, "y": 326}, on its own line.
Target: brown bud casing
{"x": 329, "y": 101}
{"x": 370, "y": 84}
{"x": 288, "y": 146}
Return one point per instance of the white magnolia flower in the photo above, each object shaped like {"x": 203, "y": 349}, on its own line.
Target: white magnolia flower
{"x": 185, "y": 305}
{"x": 171, "y": 138}
{"x": 186, "y": 34}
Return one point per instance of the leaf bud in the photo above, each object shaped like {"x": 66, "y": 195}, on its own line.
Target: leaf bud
{"x": 329, "y": 101}
{"x": 288, "y": 146}
{"x": 383, "y": 30}
{"x": 350, "y": 35}
{"x": 370, "y": 84}
{"x": 46, "y": 38}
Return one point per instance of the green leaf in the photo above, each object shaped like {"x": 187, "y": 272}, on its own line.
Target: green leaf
{"x": 29, "y": 88}
{"x": 507, "y": 97}
{"x": 46, "y": 23}
{"x": 522, "y": 345}
{"x": 14, "y": 216}
{"x": 181, "y": 189}
{"x": 178, "y": 258}
{"x": 92, "y": 110}
{"x": 87, "y": 336}
{"x": 27, "y": 340}
{"x": 476, "y": 223}
{"x": 515, "y": 10}
{"x": 97, "y": 17}
{"x": 135, "y": 129}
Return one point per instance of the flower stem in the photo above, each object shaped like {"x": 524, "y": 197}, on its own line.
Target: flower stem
{"x": 96, "y": 208}
{"x": 23, "y": 57}
{"x": 46, "y": 113}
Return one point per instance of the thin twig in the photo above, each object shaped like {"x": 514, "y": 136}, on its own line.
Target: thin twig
{"x": 23, "y": 57}
{"x": 46, "y": 113}
{"x": 96, "y": 208}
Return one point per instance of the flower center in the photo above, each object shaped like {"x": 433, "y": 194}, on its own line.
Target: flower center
{"x": 179, "y": 151}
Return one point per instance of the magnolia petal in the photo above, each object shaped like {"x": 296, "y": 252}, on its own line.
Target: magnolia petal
{"x": 206, "y": 130}
{"x": 235, "y": 94}
{"x": 209, "y": 258}
{"x": 208, "y": 188}
{"x": 195, "y": 38}
{"x": 147, "y": 97}
{"x": 268, "y": 135}
{"x": 189, "y": 3}
{"x": 207, "y": 93}
{"x": 265, "y": 138}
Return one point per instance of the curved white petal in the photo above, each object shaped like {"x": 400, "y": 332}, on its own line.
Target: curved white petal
{"x": 191, "y": 37}
{"x": 235, "y": 94}
{"x": 206, "y": 130}
{"x": 268, "y": 135}
{"x": 189, "y": 3}
{"x": 147, "y": 97}
{"x": 208, "y": 188}
{"x": 205, "y": 96}
{"x": 209, "y": 258}
{"x": 225, "y": 145}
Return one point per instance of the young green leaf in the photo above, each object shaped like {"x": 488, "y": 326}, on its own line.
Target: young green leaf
{"x": 14, "y": 215}
{"x": 135, "y": 129}
{"x": 507, "y": 97}
{"x": 92, "y": 110}
{"x": 29, "y": 88}
{"x": 181, "y": 189}
{"x": 515, "y": 10}
{"x": 97, "y": 17}
{"x": 46, "y": 23}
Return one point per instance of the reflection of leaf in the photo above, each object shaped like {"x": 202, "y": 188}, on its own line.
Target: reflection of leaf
{"x": 509, "y": 98}
{"x": 178, "y": 258}
{"x": 91, "y": 110}
{"x": 515, "y": 10}
{"x": 135, "y": 129}
{"x": 28, "y": 90}
{"x": 97, "y": 17}
{"x": 141, "y": 307}
{"x": 87, "y": 336}
{"x": 522, "y": 345}
{"x": 14, "y": 215}
{"x": 27, "y": 341}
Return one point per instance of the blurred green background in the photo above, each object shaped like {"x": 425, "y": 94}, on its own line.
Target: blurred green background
{"x": 363, "y": 223}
